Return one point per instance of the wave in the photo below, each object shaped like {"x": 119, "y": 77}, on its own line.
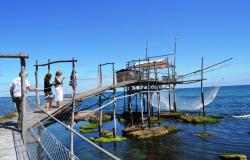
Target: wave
{"x": 242, "y": 116}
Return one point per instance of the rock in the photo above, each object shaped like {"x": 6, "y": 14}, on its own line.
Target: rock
{"x": 233, "y": 157}
{"x": 85, "y": 115}
{"x": 141, "y": 134}
{"x": 105, "y": 117}
{"x": 175, "y": 115}
{"x": 198, "y": 119}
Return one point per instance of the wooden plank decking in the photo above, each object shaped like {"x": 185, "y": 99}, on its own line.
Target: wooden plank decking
{"x": 41, "y": 116}
{"x": 11, "y": 143}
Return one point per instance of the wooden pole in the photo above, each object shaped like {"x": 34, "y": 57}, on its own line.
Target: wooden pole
{"x": 73, "y": 112}
{"x": 39, "y": 128}
{"x": 169, "y": 94}
{"x": 136, "y": 102}
{"x": 141, "y": 107}
{"x": 100, "y": 116}
{"x": 114, "y": 114}
{"x": 36, "y": 75}
{"x": 130, "y": 110}
{"x": 202, "y": 89}
{"x": 158, "y": 102}
{"x": 148, "y": 94}
{"x": 113, "y": 68}
{"x": 48, "y": 65}
{"x": 124, "y": 100}
{"x": 23, "y": 104}
{"x": 100, "y": 76}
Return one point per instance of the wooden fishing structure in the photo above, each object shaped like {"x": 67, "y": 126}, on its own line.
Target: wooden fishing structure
{"x": 139, "y": 79}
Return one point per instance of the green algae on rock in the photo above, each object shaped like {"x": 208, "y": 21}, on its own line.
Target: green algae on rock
{"x": 89, "y": 128}
{"x": 198, "y": 119}
{"x": 233, "y": 157}
{"x": 147, "y": 133}
{"x": 108, "y": 137}
{"x": 190, "y": 118}
{"x": 202, "y": 134}
{"x": 155, "y": 120}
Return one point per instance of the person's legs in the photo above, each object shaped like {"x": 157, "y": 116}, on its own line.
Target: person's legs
{"x": 18, "y": 102}
{"x": 50, "y": 103}
{"x": 58, "y": 104}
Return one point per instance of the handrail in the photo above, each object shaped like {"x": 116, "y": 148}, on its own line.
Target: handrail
{"x": 21, "y": 55}
{"x": 79, "y": 135}
{"x": 61, "y": 61}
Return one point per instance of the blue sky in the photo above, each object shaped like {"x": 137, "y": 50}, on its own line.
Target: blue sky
{"x": 117, "y": 30}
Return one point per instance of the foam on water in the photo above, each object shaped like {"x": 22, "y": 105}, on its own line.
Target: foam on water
{"x": 242, "y": 116}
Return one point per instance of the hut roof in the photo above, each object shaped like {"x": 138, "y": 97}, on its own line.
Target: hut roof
{"x": 160, "y": 63}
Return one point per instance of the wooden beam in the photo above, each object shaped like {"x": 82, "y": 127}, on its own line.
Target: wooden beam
{"x": 53, "y": 62}
{"x": 21, "y": 55}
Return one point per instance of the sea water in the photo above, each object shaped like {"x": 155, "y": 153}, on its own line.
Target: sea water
{"x": 230, "y": 135}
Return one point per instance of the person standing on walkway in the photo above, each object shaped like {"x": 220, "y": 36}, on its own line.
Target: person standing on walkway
{"x": 48, "y": 91}
{"x": 59, "y": 87}
{"x": 73, "y": 81}
{"x": 16, "y": 94}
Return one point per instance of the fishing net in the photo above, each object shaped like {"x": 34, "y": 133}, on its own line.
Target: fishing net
{"x": 189, "y": 98}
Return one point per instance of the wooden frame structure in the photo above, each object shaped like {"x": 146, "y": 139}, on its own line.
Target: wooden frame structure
{"x": 73, "y": 61}
{"x": 22, "y": 57}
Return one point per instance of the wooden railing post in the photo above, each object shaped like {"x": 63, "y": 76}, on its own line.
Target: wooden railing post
{"x": 73, "y": 111}
{"x": 36, "y": 75}
{"x": 202, "y": 90}
{"x": 113, "y": 68}
{"x": 23, "y": 104}
{"x": 114, "y": 114}
{"x": 48, "y": 65}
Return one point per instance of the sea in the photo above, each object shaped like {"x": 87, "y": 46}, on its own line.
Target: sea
{"x": 229, "y": 136}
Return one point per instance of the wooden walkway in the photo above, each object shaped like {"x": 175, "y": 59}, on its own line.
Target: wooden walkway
{"x": 11, "y": 143}
{"x": 41, "y": 116}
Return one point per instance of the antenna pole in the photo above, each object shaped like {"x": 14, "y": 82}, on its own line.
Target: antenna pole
{"x": 147, "y": 50}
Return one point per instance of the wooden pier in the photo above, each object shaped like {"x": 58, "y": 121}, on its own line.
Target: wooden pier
{"x": 11, "y": 143}
{"x": 140, "y": 78}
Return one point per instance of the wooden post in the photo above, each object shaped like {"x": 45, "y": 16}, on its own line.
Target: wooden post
{"x": 114, "y": 114}
{"x": 202, "y": 90}
{"x": 158, "y": 102}
{"x": 113, "y": 68}
{"x": 100, "y": 75}
{"x": 23, "y": 104}
{"x": 141, "y": 106}
{"x": 100, "y": 116}
{"x": 36, "y": 75}
{"x": 136, "y": 103}
{"x": 130, "y": 110}
{"x": 151, "y": 104}
{"x": 139, "y": 70}
{"x": 124, "y": 100}
{"x": 169, "y": 100}
{"x": 148, "y": 93}
{"x": 169, "y": 95}
{"x": 48, "y": 65}
{"x": 73, "y": 112}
